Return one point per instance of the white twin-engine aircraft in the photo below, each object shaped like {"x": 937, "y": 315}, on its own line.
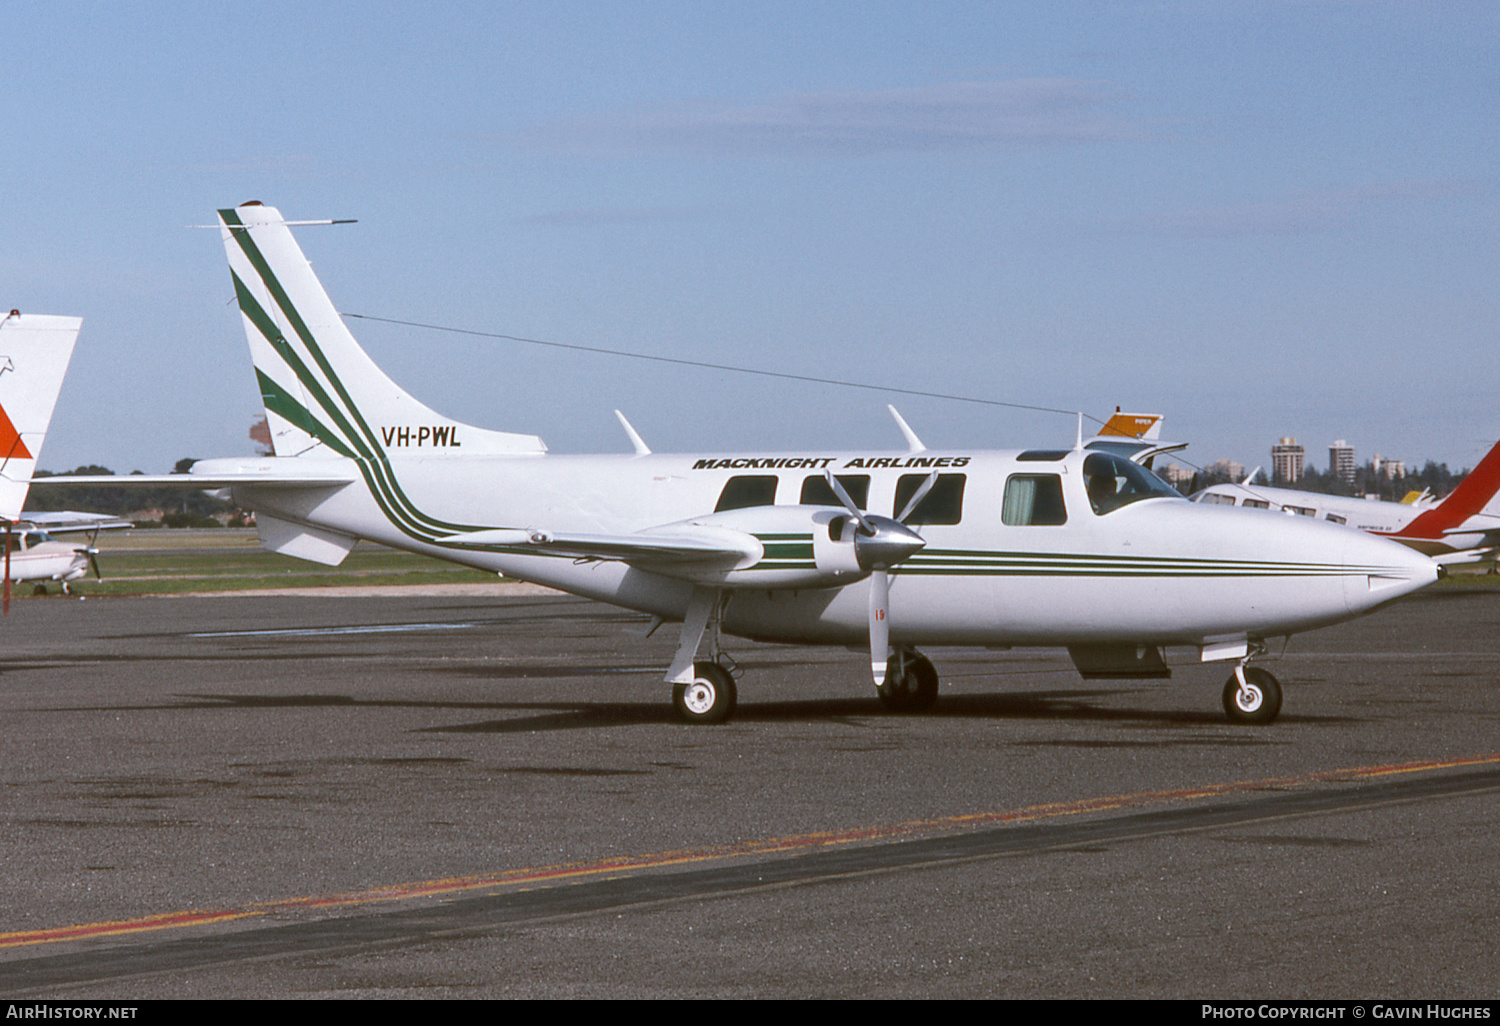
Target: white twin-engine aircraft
{"x": 1080, "y": 547}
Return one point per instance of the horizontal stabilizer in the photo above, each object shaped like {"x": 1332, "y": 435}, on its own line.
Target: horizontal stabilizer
{"x": 207, "y": 482}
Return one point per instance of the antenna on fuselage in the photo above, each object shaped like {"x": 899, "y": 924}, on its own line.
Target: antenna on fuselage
{"x": 641, "y": 449}
{"x": 913, "y": 443}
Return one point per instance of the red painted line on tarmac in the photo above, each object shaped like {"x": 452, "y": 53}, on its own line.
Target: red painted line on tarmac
{"x": 550, "y": 875}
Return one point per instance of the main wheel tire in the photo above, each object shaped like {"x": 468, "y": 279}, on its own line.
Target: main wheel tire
{"x": 912, "y": 688}
{"x": 709, "y": 698}
{"x": 1259, "y": 702}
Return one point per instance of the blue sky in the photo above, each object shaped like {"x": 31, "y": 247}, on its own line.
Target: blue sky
{"x": 1257, "y": 218}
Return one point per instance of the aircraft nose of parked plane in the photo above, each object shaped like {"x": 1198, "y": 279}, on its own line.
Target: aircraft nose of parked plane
{"x": 1390, "y": 570}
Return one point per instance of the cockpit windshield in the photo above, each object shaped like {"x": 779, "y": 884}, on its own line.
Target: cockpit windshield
{"x": 1113, "y": 481}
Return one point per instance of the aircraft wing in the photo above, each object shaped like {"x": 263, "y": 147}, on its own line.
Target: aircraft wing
{"x": 69, "y": 521}
{"x": 1134, "y": 450}
{"x": 683, "y": 550}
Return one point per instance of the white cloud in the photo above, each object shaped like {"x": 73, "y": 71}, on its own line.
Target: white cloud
{"x": 949, "y": 117}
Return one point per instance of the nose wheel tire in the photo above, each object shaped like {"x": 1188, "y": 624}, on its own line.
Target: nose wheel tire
{"x": 911, "y": 683}
{"x": 708, "y": 698}
{"x": 1258, "y": 702}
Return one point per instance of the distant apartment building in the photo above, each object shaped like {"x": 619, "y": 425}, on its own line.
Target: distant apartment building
{"x": 1231, "y": 469}
{"x": 1388, "y": 469}
{"x": 1288, "y": 459}
{"x": 1341, "y": 461}
{"x": 1177, "y": 476}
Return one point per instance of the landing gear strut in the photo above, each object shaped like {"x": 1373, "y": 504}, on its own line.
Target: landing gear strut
{"x": 911, "y": 682}
{"x": 1252, "y": 695}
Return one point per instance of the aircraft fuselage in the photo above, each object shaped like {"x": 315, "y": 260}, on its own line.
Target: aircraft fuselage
{"x": 1159, "y": 570}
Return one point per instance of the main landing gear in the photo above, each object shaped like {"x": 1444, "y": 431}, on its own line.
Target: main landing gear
{"x": 1252, "y": 695}
{"x": 708, "y": 698}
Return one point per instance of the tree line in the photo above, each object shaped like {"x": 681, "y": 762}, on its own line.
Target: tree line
{"x": 180, "y": 507}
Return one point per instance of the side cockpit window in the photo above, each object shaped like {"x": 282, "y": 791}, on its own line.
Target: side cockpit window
{"x": 747, "y": 490}
{"x": 1113, "y": 482}
{"x": 1033, "y": 499}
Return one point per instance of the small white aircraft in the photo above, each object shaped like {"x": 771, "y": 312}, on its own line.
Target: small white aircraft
{"x": 1463, "y": 527}
{"x": 881, "y": 551}
{"x": 34, "y": 354}
{"x": 35, "y": 555}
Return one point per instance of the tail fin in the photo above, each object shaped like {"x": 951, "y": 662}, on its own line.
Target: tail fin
{"x": 1133, "y": 425}
{"x": 1474, "y": 494}
{"x": 34, "y": 354}
{"x": 323, "y": 394}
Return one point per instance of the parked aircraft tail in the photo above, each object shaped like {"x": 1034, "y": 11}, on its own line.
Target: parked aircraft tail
{"x": 323, "y": 395}
{"x": 34, "y": 354}
{"x": 1475, "y": 494}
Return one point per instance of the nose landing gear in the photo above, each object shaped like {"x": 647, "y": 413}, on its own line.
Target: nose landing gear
{"x": 1252, "y": 695}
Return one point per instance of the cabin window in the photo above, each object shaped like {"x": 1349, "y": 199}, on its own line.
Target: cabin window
{"x": 1301, "y": 511}
{"x": 747, "y": 490}
{"x": 1256, "y": 504}
{"x": 1113, "y": 482}
{"x": 944, "y": 504}
{"x": 816, "y": 492}
{"x": 1033, "y": 499}
{"x": 1336, "y": 518}
{"x": 1215, "y": 499}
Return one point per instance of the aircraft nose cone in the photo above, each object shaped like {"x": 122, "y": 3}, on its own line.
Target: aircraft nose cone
{"x": 1391, "y": 570}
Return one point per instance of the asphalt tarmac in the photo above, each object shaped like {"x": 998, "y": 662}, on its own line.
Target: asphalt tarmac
{"x": 470, "y": 796}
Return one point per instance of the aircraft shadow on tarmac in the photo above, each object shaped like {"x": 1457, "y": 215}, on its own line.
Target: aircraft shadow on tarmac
{"x": 1061, "y": 707}
{"x": 1056, "y": 706}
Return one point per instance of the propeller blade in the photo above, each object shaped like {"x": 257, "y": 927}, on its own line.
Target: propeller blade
{"x": 916, "y": 499}
{"x": 843, "y": 496}
{"x": 94, "y": 562}
{"x": 880, "y": 627}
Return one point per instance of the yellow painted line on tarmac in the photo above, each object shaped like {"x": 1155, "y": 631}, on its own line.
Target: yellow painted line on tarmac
{"x": 119, "y": 926}
{"x": 532, "y": 877}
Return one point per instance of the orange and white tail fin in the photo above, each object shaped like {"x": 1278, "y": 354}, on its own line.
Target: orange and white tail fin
{"x": 34, "y": 354}
{"x": 1145, "y": 426}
